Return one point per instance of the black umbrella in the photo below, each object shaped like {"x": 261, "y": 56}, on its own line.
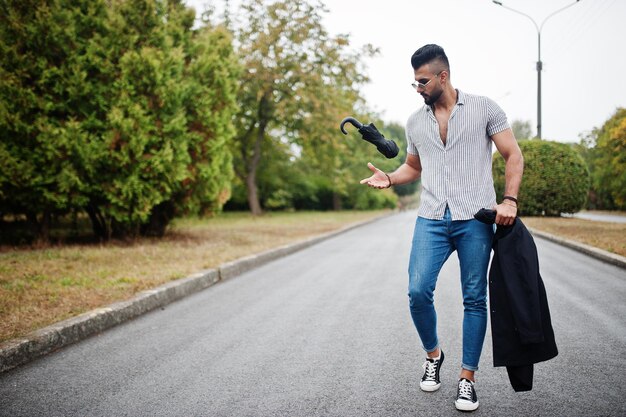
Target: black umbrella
{"x": 373, "y": 136}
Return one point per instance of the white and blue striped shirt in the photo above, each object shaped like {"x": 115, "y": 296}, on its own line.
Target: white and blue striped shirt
{"x": 457, "y": 174}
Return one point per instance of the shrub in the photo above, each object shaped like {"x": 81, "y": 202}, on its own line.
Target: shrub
{"x": 371, "y": 199}
{"x": 556, "y": 179}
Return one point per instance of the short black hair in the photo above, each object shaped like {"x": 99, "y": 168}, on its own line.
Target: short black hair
{"x": 429, "y": 53}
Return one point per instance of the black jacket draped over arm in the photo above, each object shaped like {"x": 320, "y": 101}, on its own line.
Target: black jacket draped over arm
{"x": 521, "y": 328}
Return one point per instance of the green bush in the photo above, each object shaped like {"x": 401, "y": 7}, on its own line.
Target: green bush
{"x": 371, "y": 199}
{"x": 556, "y": 179}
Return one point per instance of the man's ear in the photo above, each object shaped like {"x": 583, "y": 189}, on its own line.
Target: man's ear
{"x": 444, "y": 76}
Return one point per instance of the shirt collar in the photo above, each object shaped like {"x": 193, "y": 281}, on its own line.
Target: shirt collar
{"x": 460, "y": 99}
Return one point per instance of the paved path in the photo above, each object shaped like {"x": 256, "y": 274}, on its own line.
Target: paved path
{"x": 326, "y": 332}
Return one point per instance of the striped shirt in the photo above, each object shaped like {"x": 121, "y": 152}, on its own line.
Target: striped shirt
{"x": 457, "y": 174}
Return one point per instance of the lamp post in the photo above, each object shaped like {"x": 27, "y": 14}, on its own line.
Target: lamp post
{"x": 539, "y": 63}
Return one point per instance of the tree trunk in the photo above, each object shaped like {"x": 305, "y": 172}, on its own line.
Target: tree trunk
{"x": 253, "y": 193}
{"x": 98, "y": 223}
{"x": 44, "y": 229}
{"x": 337, "y": 206}
{"x": 160, "y": 217}
{"x": 39, "y": 228}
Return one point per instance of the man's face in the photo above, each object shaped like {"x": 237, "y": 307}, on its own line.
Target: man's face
{"x": 427, "y": 84}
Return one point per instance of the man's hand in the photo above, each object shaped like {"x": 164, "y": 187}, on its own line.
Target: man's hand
{"x": 378, "y": 180}
{"x": 505, "y": 214}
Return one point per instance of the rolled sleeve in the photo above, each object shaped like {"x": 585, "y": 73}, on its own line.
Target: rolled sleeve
{"x": 497, "y": 121}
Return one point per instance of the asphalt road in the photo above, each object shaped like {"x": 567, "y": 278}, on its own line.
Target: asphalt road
{"x": 326, "y": 332}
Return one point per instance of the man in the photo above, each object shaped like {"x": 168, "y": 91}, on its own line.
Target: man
{"x": 450, "y": 148}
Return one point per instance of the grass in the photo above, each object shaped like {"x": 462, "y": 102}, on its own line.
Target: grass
{"x": 610, "y": 237}
{"x": 40, "y": 286}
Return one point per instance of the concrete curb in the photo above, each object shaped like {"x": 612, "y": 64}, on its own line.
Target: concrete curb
{"x": 600, "y": 254}
{"x": 16, "y": 352}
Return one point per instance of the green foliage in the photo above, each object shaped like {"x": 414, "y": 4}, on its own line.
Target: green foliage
{"x": 45, "y": 107}
{"x": 556, "y": 179}
{"x": 369, "y": 198}
{"x": 116, "y": 107}
{"x": 210, "y": 104}
{"x": 314, "y": 191}
{"x": 604, "y": 150}
{"x": 298, "y": 84}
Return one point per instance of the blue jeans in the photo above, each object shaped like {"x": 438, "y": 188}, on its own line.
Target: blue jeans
{"x": 433, "y": 242}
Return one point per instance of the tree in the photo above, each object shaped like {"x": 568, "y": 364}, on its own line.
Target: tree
{"x": 115, "y": 107}
{"x": 604, "y": 150}
{"x": 339, "y": 162}
{"x": 522, "y": 129}
{"x": 46, "y": 107}
{"x": 170, "y": 122}
{"x": 556, "y": 179}
{"x": 298, "y": 80}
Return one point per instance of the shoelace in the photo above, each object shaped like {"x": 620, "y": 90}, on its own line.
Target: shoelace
{"x": 465, "y": 389}
{"x": 429, "y": 369}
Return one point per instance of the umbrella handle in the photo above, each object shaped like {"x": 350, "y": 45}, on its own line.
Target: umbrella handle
{"x": 352, "y": 121}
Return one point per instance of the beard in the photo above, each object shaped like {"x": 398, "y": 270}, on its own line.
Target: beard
{"x": 430, "y": 99}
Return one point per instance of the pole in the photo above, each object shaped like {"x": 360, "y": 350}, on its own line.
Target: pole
{"x": 539, "y": 69}
{"x": 539, "y": 63}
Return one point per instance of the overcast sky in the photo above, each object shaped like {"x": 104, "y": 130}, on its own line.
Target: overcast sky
{"x": 493, "y": 52}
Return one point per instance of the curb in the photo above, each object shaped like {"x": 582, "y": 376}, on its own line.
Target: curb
{"x": 20, "y": 351}
{"x": 600, "y": 254}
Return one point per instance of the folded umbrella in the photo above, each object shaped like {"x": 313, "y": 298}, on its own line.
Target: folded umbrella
{"x": 372, "y": 135}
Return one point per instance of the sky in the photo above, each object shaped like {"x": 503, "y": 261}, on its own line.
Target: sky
{"x": 493, "y": 52}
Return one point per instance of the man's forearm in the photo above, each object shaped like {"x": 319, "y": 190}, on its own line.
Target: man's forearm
{"x": 513, "y": 170}
{"x": 404, "y": 174}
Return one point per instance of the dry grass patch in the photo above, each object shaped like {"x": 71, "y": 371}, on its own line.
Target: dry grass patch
{"x": 608, "y": 236}
{"x": 41, "y": 286}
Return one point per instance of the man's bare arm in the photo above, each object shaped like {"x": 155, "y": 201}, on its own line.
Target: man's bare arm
{"x": 514, "y": 168}
{"x": 409, "y": 171}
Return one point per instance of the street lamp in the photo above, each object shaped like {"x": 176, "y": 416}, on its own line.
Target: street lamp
{"x": 539, "y": 63}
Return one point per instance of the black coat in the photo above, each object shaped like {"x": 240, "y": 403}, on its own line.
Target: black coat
{"x": 521, "y": 328}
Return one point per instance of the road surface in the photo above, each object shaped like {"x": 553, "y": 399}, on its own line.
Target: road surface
{"x": 326, "y": 332}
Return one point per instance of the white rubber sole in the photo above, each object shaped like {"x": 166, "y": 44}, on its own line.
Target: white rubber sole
{"x": 430, "y": 388}
{"x": 466, "y": 406}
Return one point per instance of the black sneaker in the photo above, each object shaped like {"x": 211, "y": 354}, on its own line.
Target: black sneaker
{"x": 430, "y": 380}
{"x": 466, "y": 399}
